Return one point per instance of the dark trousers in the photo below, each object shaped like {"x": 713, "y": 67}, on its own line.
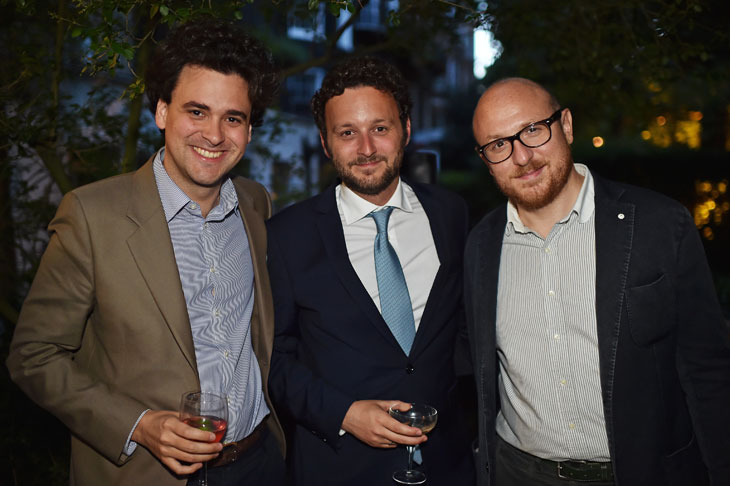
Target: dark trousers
{"x": 517, "y": 468}
{"x": 262, "y": 464}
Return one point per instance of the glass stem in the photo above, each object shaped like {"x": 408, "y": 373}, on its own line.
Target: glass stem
{"x": 411, "y": 449}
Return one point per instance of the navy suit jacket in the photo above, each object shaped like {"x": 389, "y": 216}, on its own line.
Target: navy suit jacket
{"x": 332, "y": 346}
{"x": 663, "y": 343}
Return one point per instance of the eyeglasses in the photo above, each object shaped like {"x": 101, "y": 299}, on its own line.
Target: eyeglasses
{"x": 533, "y": 135}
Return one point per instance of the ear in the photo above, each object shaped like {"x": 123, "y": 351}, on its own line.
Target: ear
{"x": 161, "y": 114}
{"x": 408, "y": 130}
{"x": 566, "y": 122}
{"x": 324, "y": 146}
{"x": 250, "y": 131}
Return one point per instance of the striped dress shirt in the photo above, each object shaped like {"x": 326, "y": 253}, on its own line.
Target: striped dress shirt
{"x": 547, "y": 339}
{"x": 214, "y": 262}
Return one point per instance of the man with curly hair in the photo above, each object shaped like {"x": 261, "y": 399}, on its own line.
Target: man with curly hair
{"x": 154, "y": 283}
{"x": 355, "y": 334}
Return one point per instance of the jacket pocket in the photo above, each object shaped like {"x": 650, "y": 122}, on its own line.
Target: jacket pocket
{"x": 684, "y": 466}
{"x": 650, "y": 309}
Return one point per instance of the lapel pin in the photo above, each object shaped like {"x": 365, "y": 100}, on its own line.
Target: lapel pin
{"x": 621, "y": 216}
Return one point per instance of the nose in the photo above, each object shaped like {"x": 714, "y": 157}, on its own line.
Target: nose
{"x": 367, "y": 146}
{"x": 521, "y": 154}
{"x": 213, "y": 133}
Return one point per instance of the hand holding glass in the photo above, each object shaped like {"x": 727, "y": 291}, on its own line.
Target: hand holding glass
{"x": 423, "y": 417}
{"x": 205, "y": 411}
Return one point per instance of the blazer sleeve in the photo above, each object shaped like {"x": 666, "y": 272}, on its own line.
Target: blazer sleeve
{"x": 43, "y": 358}
{"x": 703, "y": 353}
{"x": 294, "y": 386}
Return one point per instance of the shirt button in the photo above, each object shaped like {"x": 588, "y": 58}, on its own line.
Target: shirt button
{"x": 547, "y": 250}
{"x": 571, "y": 426}
{"x": 556, "y": 337}
{"x": 205, "y": 225}
{"x": 212, "y": 291}
{"x": 217, "y": 313}
{"x": 409, "y": 369}
{"x": 551, "y": 293}
{"x": 562, "y": 382}
{"x": 212, "y": 269}
{"x": 193, "y": 206}
{"x": 225, "y": 353}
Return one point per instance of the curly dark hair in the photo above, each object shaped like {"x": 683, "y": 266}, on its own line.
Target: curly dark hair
{"x": 360, "y": 72}
{"x": 216, "y": 45}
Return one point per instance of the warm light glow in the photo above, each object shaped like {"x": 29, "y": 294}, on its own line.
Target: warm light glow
{"x": 695, "y": 115}
{"x": 661, "y": 121}
{"x": 654, "y": 87}
{"x": 598, "y": 142}
{"x": 646, "y": 135}
{"x": 711, "y": 207}
{"x": 689, "y": 133}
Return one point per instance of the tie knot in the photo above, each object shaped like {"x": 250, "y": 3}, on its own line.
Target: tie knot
{"x": 381, "y": 218}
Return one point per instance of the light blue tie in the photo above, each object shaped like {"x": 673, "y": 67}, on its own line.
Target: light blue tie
{"x": 395, "y": 302}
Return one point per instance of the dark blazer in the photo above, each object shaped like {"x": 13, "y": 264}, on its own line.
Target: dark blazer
{"x": 332, "y": 347}
{"x": 664, "y": 357}
{"x": 104, "y": 332}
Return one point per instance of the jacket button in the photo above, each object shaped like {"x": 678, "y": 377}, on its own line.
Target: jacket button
{"x": 409, "y": 368}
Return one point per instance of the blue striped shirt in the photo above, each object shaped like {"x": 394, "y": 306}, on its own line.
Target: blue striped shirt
{"x": 214, "y": 262}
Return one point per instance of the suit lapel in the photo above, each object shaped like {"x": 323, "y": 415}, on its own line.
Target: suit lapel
{"x": 262, "y": 336}
{"x": 330, "y": 230}
{"x": 614, "y": 235}
{"x": 152, "y": 250}
{"x": 439, "y": 231}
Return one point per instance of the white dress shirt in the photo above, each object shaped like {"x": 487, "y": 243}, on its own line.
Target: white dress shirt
{"x": 409, "y": 232}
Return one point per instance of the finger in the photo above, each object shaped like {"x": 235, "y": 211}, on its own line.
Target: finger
{"x": 402, "y": 429}
{"x": 196, "y": 447}
{"x": 404, "y": 439}
{"x": 184, "y": 430}
{"x": 398, "y": 405}
{"x": 181, "y": 469}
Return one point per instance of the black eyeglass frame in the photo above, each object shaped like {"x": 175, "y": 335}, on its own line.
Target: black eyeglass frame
{"x": 547, "y": 122}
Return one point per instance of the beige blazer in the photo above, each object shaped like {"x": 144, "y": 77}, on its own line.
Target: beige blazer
{"x": 104, "y": 332}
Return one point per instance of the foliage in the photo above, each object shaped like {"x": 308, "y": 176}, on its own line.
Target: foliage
{"x": 619, "y": 64}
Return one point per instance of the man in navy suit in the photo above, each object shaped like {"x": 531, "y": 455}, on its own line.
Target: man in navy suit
{"x": 337, "y": 365}
{"x": 600, "y": 350}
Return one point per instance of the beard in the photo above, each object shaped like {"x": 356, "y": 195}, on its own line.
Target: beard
{"x": 370, "y": 185}
{"x": 540, "y": 194}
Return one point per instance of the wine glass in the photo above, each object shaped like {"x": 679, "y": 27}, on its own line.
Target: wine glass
{"x": 424, "y": 417}
{"x": 205, "y": 411}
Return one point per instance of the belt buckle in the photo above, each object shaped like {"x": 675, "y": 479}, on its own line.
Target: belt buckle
{"x": 591, "y": 474}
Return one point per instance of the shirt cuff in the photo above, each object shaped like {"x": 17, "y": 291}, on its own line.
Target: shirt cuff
{"x": 131, "y": 445}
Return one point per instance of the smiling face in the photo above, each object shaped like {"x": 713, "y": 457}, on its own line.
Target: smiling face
{"x": 207, "y": 128}
{"x": 531, "y": 178}
{"x": 365, "y": 140}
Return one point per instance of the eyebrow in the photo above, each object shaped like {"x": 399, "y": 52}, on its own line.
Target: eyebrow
{"x": 204, "y": 107}
{"x": 352, "y": 125}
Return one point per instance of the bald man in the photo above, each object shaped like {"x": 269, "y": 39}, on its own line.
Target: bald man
{"x": 600, "y": 350}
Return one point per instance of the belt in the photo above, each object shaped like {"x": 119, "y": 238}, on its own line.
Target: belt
{"x": 571, "y": 470}
{"x": 583, "y": 470}
{"x": 234, "y": 450}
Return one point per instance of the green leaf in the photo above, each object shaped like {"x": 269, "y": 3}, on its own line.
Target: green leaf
{"x": 76, "y": 32}
{"x": 334, "y": 9}
{"x": 154, "y": 9}
{"x": 238, "y": 14}
{"x": 313, "y": 4}
{"x": 164, "y": 10}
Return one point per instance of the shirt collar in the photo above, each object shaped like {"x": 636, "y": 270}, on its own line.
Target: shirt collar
{"x": 354, "y": 207}
{"x": 584, "y": 204}
{"x": 174, "y": 199}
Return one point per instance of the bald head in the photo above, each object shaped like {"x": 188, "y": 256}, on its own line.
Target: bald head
{"x": 509, "y": 101}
